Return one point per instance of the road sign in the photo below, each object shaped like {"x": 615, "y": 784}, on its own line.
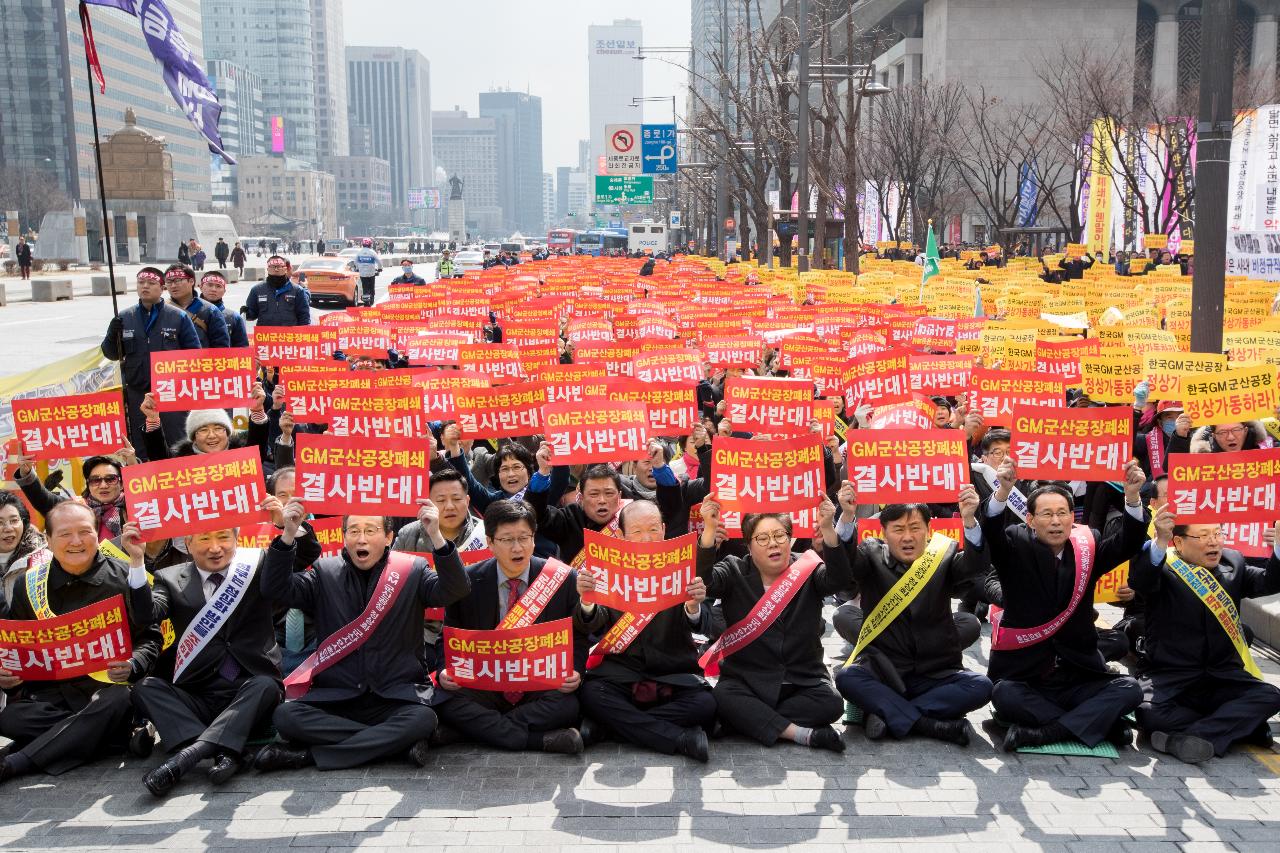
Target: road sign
{"x": 658, "y": 146}
{"x": 624, "y": 189}
{"x": 622, "y": 149}
{"x": 675, "y": 220}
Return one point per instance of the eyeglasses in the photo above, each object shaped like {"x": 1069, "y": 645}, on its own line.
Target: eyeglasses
{"x": 513, "y": 469}
{"x": 1230, "y": 433}
{"x": 16, "y": 521}
{"x": 997, "y": 453}
{"x": 1214, "y": 536}
{"x": 1050, "y": 515}
{"x": 109, "y": 480}
{"x": 512, "y": 541}
{"x": 778, "y": 537}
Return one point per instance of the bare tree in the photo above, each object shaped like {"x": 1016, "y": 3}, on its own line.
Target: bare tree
{"x": 33, "y": 192}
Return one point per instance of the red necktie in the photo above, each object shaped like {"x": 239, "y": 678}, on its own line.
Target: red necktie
{"x": 513, "y": 595}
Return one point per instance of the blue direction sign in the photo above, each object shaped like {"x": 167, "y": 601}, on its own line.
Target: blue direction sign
{"x": 658, "y": 149}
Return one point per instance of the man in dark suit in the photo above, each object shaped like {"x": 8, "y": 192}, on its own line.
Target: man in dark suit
{"x": 1200, "y": 697}
{"x": 58, "y": 725}
{"x": 370, "y": 698}
{"x": 534, "y": 720}
{"x": 652, "y": 693}
{"x": 208, "y": 704}
{"x": 909, "y": 679}
{"x": 1057, "y": 687}
{"x": 776, "y": 686}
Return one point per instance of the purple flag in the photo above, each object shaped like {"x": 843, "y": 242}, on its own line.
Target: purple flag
{"x": 182, "y": 72}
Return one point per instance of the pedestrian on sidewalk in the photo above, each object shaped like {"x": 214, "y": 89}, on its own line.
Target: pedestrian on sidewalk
{"x": 23, "y": 254}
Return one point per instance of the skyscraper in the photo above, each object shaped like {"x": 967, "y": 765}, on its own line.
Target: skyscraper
{"x": 329, "y": 52}
{"x": 467, "y": 146}
{"x": 275, "y": 41}
{"x": 45, "y": 123}
{"x": 243, "y": 125}
{"x": 614, "y": 78}
{"x": 519, "y": 122}
{"x": 389, "y": 92}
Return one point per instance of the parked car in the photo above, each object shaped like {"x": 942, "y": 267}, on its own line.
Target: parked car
{"x": 332, "y": 280}
{"x": 468, "y": 260}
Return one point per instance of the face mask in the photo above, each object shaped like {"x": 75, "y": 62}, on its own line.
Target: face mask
{"x": 277, "y": 281}
{"x": 1169, "y": 426}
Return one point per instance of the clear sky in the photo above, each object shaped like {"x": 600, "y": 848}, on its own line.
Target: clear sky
{"x": 538, "y": 47}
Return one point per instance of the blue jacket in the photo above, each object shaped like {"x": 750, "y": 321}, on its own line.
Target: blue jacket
{"x": 210, "y": 325}
{"x": 162, "y": 328}
{"x": 288, "y": 306}
{"x": 236, "y": 328}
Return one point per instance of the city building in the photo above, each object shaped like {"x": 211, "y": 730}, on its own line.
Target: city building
{"x": 467, "y": 146}
{"x": 363, "y": 183}
{"x": 580, "y": 195}
{"x": 548, "y": 200}
{"x": 243, "y": 125}
{"x": 519, "y": 123}
{"x": 284, "y": 194}
{"x": 389, "y": 92}
{"x": 275, "y": 41}
{"x": 329, "y": 51}
{"x": 562, "y": 191}
{"x": 45, "y": 122}
{"x": 614, "y": 79}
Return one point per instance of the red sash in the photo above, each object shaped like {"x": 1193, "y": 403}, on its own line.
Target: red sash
{"x": 530, "y": 606}
{"x": 1005, "y": 638}
{"x": 622, "y": 634}
{"x": 356, "y": 633}
{"x": 770, "y": 606}
{"x": 1155, "y": 452}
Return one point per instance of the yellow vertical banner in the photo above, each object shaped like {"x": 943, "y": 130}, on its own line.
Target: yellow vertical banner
{"x": 1097, "y": 227}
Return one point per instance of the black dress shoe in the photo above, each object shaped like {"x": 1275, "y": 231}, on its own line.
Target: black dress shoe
{"x": 589, "y": 732}
{"x": 420, "y": 753}
{"x": 1188, "y": 748}
{"x": 142, "y": 741}
{"x": 161, "y": 780}
{"x": 566, "y": 741}
{"x": 950, "y": 731}
{"x": 225, "y": 765}
{"x": 445, "y": 736}
{"x": 693, "y": 743}
{"x": 828, "y": 738}
{"x": 277, "y": 756}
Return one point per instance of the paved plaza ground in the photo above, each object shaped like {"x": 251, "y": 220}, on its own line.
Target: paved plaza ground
{"x": 879, "y": 796}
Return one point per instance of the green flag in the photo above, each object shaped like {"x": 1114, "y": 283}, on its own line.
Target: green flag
{"x": 931, "y": 260}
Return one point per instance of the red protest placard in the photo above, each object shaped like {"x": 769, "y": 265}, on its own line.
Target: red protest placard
{"x": 182, "y": 380}
{"x": 674, "y": 365}
{"x": 438, "y": 387}
{"x": 596, "y": 431}
{"x": 871, "y": 528}
{"x": 1062, "y": 358}
{"x": 773, "y": 476}
{"x": 307, "y": 390}
{"x": 71, "y": 645}
{"x": 433, "y": 350}
{"x": 78, "y": 425}
{"x": 673, "y": 410}
{"x": 362, "y": 476}
{"x": 378, "y": 413}
{"x": 907, "y": 465}
{"x": 994, "y": 393}
{"x": 935, "y": 334}
{"x": 1246, "y": 537}
{"x": 1239, "y": 486}
{"x": 539, "y": 657}
{"x": 615, "y": 357}
{"x": 763, "y": 404}
{"x": 877, "y": 379}
{"x": 940, "y": 374}
{"x": 329, "y": 534}
{"x": 364, "y": 339}
{"x": 736, "y": 351}
{"x": 575, "y": 390}
{"x": 502, "y": 412}
{"x": 639, "y": 577}
{"x": 916, "y": 414}
{"x": 277, "y": 345}
{"x": 192, "y": 494}
{"x": 500, "y": 362}
{"x": 1072, "y": 444}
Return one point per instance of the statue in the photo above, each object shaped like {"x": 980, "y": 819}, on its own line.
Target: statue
{"x": 455, "y": 188}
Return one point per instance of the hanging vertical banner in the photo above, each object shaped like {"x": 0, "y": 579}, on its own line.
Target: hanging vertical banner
{"x": 1097, "y": 229}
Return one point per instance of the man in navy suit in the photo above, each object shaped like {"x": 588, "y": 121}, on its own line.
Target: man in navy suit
{"x": 535, "y": 720}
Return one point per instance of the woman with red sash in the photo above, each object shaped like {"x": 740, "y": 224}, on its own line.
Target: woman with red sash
{"x": 1051, "y": 682}
{"x": 774, "y": 682}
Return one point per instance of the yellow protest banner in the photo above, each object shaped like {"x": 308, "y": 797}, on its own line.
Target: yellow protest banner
{"x": 1251, "y": 345}
{"x": 1110, "y": 378}
{"x": 1232, "y": 395}
{"x": 1142, "y": 341}
{"x": 1155, "y": 241}
{"x": 1164, "y": 370}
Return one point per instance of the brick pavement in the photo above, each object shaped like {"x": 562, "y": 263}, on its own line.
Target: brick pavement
{"x": 877, "y": 796}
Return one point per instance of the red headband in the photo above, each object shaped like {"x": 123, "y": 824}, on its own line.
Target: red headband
{"x": 177, "y": 275}
{"x": 213, "y": 276}
{"x": 150, "y": 277}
